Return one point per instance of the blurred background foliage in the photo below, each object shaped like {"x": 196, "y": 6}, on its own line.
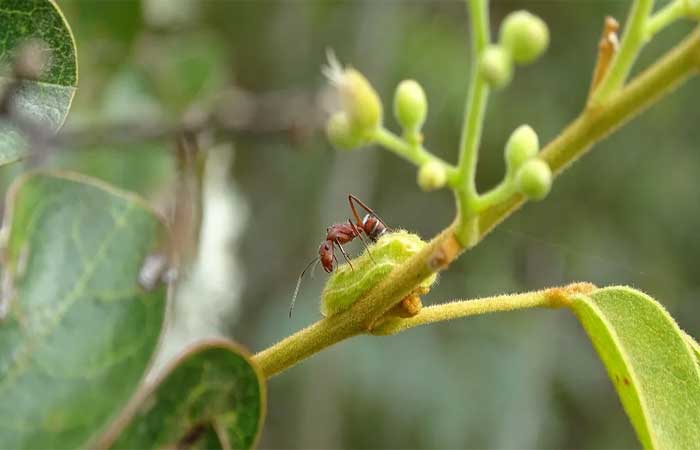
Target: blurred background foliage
{"x": 625, "y": 214}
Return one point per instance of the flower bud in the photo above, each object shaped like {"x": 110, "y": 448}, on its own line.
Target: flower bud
{"x": 359, "y": 99}
{"x": 432, "y": 176}
{"x": 525, "y": 35}
{"x": 340, "y": 134}
{"x": 410, "y": 105}
{"x": 496, "y": 66}
{"x": 534, "y": 179}
{"x": 523, "y": 144}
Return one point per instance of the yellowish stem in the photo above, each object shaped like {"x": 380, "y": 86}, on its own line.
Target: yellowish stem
{"x": 549, "y": 298}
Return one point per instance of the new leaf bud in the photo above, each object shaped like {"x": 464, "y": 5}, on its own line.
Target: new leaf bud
{"x": 525, "y": 35}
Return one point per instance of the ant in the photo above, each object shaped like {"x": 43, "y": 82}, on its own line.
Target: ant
{"x": 341, "y": 233}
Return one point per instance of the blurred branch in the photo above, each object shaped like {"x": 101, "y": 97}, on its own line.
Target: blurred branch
{"x": 187, "y": 211}
{"x": 295, "y": 115}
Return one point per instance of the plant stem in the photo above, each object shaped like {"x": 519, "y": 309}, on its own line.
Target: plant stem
{"x": 499, "y": 194}
{"x": 415, "y": 154}
{"x": 633, "y": 40}
{"x": 477, "y": 97}
{"x": 360, "y": 317}
{"x": 550, "y": 298}
{"x": 664, "y": 17}
{"x": 590, "y": 127}
{"x": 303, "y": 344}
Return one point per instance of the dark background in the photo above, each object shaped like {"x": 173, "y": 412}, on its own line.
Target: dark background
{"x": 625, "y": 214}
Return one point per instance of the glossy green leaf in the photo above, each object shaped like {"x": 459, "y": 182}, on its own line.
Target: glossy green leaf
{"x": 78, "y": 330}
{"x": 211, "y": 394}
{"x": 45, "y": 102}
{"x": 650, "y": 363}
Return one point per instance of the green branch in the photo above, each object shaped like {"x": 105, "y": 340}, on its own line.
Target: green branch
{"x": 548, "y": 298}
{"x": 666, "y": 16}
{"x": 473, "y": 124}
{"x": 596, "y": 123}
{"x": 593, "y": 125}
{"x": 633, "y": 40}
{"x": 414, "y": 153}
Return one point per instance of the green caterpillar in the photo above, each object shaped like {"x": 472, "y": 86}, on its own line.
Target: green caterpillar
{"x": 346, "y": 285}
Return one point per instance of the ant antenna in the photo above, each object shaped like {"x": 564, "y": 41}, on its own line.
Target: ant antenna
{"x": 296, "y": 289}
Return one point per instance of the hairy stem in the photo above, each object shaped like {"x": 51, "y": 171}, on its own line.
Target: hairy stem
{"x": 591, "y": 126}
{"x": 303, "y": 344}
{"x": 549, "y": 298}
{"x": 632, "y": 41}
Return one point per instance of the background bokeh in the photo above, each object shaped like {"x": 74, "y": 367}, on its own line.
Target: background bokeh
{"x": 625, "y": 214}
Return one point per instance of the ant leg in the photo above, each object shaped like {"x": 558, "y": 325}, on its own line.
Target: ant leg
{"x": 352, "y": 199}
{"x": 337, "y": 263}
{"x": 342, "y": 250}
{"x": 352, "y": 207}
{"x": 359, "y": 235}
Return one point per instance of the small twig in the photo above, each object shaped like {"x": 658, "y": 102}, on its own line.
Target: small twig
{"x": 548, "y": 298}
{"x": 607, "y": 47}
{"x": 188, "y": 192}
{"x": 633, "y": 39}
{"x": 475, "y": 109}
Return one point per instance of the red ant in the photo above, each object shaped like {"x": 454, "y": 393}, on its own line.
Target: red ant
{"x": 342, "y": 233}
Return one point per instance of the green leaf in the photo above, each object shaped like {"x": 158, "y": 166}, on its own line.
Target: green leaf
{"x": 650, "y": 363}
{"x": 212, "y": 390}
{"x": 46, "y": 101}
{"x": 695, "y": 346}
{"x": 79, "y": 330}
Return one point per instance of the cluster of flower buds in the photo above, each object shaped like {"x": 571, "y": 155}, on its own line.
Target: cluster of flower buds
{"x": 361, "y": 109}
{"x": 523, "y": 37}
{"x": 531, "y": 175}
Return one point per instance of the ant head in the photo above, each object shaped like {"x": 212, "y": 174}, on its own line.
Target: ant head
{"x": 325, "y": 255}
